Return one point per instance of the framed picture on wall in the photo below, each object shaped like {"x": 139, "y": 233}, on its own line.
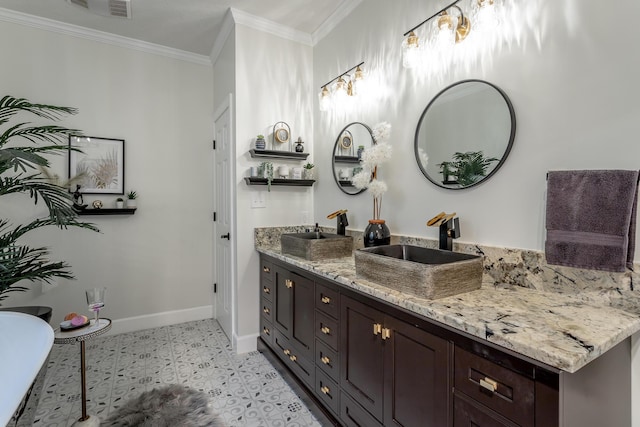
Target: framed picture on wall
{"x": 99, "y": 165}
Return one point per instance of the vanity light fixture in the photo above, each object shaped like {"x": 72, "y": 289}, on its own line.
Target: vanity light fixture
{"x": 341, "y": 87}
{"x": 450, "y": 29}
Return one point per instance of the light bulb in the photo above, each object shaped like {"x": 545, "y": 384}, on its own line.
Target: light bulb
{"x": 325, "y": 99}
{"x": 410, "y": 47}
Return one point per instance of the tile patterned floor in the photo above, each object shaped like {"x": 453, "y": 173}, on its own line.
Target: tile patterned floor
{"x": 245, "y": 389}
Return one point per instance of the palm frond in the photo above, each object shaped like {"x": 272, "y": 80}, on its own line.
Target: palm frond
{"x": 50, "y": 133}
{"x": 10, "y": 106}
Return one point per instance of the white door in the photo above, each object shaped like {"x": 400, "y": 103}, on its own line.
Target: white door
{"x": 223, "y": 235}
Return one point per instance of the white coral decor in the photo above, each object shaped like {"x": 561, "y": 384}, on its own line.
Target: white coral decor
{"x": 371, "y": 159}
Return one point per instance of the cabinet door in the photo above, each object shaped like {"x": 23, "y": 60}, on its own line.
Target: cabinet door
{"x": 283, "y": 297}
{"x": 362, "y": 355}
{"x": 417, "y": 386}
{"x": 303, "y": 309}
{"x": 468, "y": 413}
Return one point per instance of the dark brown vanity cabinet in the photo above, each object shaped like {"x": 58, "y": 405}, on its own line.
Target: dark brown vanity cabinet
{"x": 396, "y": 371}
{"x": 368, "y": 364}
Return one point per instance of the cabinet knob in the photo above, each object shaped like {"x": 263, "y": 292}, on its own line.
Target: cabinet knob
{"x": 325, "y": 330}
{"x": 293, "y": 358}
{"x": 266, "y": 310}
{"x": 288, "y": 283}
{"x": 266, "y": 269}
{"x": 489, "y": 384}
{"x": 266, "y": 331}
{"x": 325, "y": 300}
{"x": 386, "y": 333}
{"x": 266, "y": 290}
{"x": 325, "y": 360}
{"x": 325, "y": 389}
{"x": 287, "y": 352}
{"x": 377, "y": 328}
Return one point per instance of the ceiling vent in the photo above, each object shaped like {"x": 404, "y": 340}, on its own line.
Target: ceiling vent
{"x": 115, "y": 8}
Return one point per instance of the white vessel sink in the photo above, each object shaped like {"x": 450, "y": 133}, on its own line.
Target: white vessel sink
{"x": 25, "y": 342}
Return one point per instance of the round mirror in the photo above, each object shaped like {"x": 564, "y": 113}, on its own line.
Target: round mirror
{"x": 465, "y": 134}
{"x": 351, "y": 142}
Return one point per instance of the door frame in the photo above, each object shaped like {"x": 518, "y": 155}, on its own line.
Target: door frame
{"x": 227, "y": 104}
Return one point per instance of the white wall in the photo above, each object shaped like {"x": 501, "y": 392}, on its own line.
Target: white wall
{"x": 273, "y": 83}
{"x": 570, "y": 72}
{"x": 156, "y": 260}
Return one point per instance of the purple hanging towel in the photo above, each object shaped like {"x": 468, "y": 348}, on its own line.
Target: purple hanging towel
{"x": 591, "y": 218}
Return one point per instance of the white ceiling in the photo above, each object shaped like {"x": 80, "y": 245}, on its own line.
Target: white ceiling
{"x": 187, "y": 25}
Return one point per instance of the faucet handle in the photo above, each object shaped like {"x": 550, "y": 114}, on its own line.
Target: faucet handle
{"x": 440, "y": 219}
{"x": 332, "y": 215}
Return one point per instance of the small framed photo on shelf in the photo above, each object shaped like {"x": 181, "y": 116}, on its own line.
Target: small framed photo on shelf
{"x": 98, "y": 166}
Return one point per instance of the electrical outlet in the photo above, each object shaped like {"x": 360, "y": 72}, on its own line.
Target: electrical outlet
{"x": 257, "y": 200}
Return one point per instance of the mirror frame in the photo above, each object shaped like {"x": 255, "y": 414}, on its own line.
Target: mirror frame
{"x": 507, "y": 150}
{"x": 333, "y": 156}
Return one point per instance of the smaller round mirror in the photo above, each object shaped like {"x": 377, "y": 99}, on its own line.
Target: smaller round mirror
{"x": 350, "y": 144}
{"x": 465, "y": 134}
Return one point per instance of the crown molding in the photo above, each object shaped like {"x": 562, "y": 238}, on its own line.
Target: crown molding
{"x": 223, "y": 35}
{"x": 271, "y": 27}
{"x": 99, "y": 36}
{"x": 334, "y": 19}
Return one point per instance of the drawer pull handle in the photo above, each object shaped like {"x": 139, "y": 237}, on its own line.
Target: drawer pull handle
{"x": 266, "y": 269}
{"x": 287, "y": 352}
{"x": 266, "y": 310}
{"x": 293, "y": 358}
{"x": 386, "y": 333}
{"x": 325, "y": 360}
{"x": 266, "y": 290}
{"x": 266, "y": 331}
{"x": 489, "y": 384}
{"x": 288, "y": 283}
{"x": 325, "y": 300}
{"x": 377, "y": 328}
{"x": 325, "y": 389}
{"x": 325, "y": 330}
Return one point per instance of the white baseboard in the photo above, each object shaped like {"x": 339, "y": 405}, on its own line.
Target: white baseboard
{"x": 245, "y": 343}
{"x": 156, "y": 320}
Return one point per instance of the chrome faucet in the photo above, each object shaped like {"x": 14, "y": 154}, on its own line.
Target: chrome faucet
{"x": 316, "y": 230}
{"x": 342, "y": 221}
{"x": 449, "y": 229}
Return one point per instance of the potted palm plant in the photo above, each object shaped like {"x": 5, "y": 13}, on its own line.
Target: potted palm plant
{"x": 20, "y": 174}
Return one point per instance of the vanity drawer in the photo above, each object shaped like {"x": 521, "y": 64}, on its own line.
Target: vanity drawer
{"x": 266, "y": 290}
{"x": 468, "y": 413}
{"x": 327, "y": 330}
{"x": 266, "y": 308}
{"x": 266, "y": 331}
{"x": 302, "y": 367}
{"x": 354, "y": 415}
{"x": 266, "y": 269}
{"x": 327, "y": 359}
{"x": 327, "y": 300}
{"x": 506, "y": 392}
{"x": 327, "y": 391}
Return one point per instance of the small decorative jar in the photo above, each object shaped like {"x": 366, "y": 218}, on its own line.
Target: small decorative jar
{"x": 260, "y": 143}
{"x": 377, "y": 233}
{"x": 283, "y": 172}
{"x": 299, "y": 146}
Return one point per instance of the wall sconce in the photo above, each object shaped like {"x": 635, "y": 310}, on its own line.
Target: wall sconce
{"x": 345, "y": 87}
{"x": 449, "y": 30}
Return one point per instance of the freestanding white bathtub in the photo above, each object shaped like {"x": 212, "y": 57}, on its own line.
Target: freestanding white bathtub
{"x": 25, "y": 342}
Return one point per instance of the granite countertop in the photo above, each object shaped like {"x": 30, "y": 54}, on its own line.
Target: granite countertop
{"x": 564, "y": 331}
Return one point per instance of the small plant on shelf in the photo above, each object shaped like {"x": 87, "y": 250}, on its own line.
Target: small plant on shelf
{"x": 119, "y": 202}
{"x": 131, "y": 199}
{"x": 266, "y": 171}
{"x": 308, "y": 166}
{"x": 308, "y": 171}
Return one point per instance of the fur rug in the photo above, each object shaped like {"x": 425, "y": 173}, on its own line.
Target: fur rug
{"x": 173, "y": 405}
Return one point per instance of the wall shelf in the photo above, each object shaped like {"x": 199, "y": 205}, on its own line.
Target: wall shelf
{"x": 290, "y": 182}
{"x": 346, "y": 159}
{"x": 107, "y": 211}
{"x": 277, "y": 154}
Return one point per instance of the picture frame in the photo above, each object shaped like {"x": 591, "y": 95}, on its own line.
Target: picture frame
{"x": 98, "y": 166}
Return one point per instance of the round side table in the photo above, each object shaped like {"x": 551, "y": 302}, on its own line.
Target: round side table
{"x": 83, "y": 334}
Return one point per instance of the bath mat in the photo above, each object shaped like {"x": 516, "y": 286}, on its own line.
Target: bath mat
{"x": 173, "y": 405}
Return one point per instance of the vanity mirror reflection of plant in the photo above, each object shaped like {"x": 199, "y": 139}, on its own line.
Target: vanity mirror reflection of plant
{"x": 371, "y": 159}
